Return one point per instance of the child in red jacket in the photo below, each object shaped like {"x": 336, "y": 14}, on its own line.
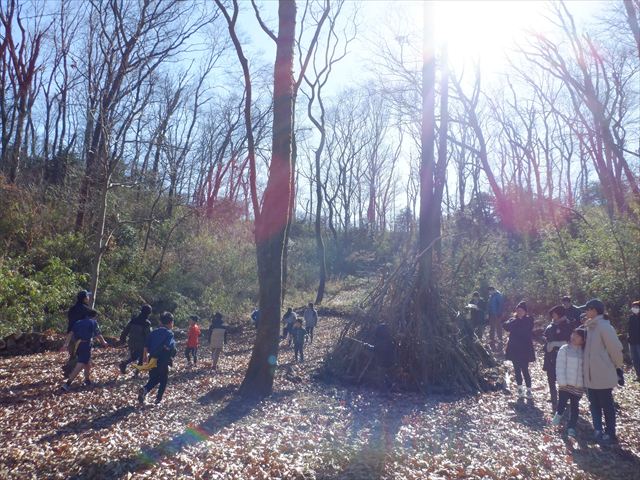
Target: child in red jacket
{"x": 192, "y": 340}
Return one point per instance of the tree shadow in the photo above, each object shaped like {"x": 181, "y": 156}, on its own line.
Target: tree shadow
{"x": 104, "y": 422}
{"x": 236, "y": 409}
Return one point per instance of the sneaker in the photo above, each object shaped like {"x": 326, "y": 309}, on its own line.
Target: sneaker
{"x": 66, "y": 387}
{"x": 557, "y": 418}
{"x": 571, "y": 432}
{"x": 529, "y": 394}
{"x": 520, "y": 391}
{"x": 141, "y": 394}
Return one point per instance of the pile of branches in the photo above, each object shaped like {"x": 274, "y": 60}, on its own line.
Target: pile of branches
{"x": 435, "y": 347}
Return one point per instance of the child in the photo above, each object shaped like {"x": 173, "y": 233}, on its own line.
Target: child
{"x": 137, "y": 331}
{"x": 570, "y": 379}
{"x": 83, "y": 331}
{"x": 520, "y": 346}
{"x": 289, "y": 319}
{"x": 310, "y": 320}
{"x": 298, "y": 334}
{"x": 556, "y": 335}
{"x": 217, "y": 339}
{"x": 192, "y": 340}
{"x": 160, "y": 346}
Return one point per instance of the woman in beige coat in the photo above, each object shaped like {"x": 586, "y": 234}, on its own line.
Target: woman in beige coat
{"x": 602, "y": 359}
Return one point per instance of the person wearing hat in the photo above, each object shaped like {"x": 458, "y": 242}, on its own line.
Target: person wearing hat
{"x": 571, "y": 312}
{"x": 520, "y": 347}
{"x": 556, "y": 335}
{"x": 602, "y": 369}
{"x": 193, "y": 337}
{"x": 634, "y": 337}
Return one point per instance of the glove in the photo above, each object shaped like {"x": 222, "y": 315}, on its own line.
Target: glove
{"x": 620, "y": 377}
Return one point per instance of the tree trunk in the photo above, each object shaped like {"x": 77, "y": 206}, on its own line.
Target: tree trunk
{"x": 271, "y": 224}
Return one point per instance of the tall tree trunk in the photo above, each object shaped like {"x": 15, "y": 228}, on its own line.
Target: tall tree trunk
{"x": 271, "y": 224}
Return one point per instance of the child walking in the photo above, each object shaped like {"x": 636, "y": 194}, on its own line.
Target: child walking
{"x": 193, "y": 337}
{"x": 83, "y": 331}
{"x": 217, "y": 339}
{"x": 160, "y": 346}
{"x": 556, "y": 335}
{"x": 136, "y": 333}
{"x": 310, "y": 320}
{"x": 570, "y": 378}
{"x": 298, "y": 334}
{"x": 520, "y": 347}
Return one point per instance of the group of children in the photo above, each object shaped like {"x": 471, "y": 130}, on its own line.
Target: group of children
{"x": 154, "y": 350}
{"x": 582, "y": 354}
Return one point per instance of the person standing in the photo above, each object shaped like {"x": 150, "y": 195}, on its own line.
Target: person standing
{"x": 602, "y": 368}
{"x": 634, "y": 337}
{"x": 217, "y": 338}
{"x": 310, "y": 320}
{"x": 160, "y": 346}
{"x": 569, "y": 372}
{"x": 572, "y": 312}
{"x": 136, "y": 333}
{"x": 477, "y": 309}
{"x": 520, "y": 347}
{"x": 193, "y": 339}
{"x": 495, "y": 310}
{"x": 556, "y": 335}
{"x": 78, "y": 311}
{"x": 255, "y": 317}
{"x": 288, "y": 320}
{"x": 298, "y": 334}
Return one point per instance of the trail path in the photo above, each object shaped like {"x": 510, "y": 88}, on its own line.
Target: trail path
{"x": 306, "y": 430}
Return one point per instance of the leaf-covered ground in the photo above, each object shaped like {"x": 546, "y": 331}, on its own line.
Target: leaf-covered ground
{"x": 305, "y": 430}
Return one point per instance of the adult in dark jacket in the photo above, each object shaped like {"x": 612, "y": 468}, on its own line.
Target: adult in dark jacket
{"x": 136, "y": 333}
{"x": 634, "y": 337}
{"x": 477, "y": 309}
{"x": 495, "y": 310}
{"x": 556, "y": 335}
{"x": 520, "y": 346}
{"x": 572, "y": 312}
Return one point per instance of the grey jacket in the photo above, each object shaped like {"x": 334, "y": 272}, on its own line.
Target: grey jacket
{"x": 602, "y": 354}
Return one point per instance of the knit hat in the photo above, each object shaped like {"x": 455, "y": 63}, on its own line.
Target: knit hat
{"x": 522, "y": 305}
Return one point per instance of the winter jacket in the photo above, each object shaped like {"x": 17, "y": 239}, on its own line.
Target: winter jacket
{"x": 217, "y": 335}
{"x": 569, "y": 366}
{"x": 289, "y": 319}
{"x": 520, "y": 344}
{"x": 573, "y": 314}
{"x": 602, "y": 354}
{"x": 137, "y": 331}
{"x": 77, "y": 312}
{"x": 193, "y": 335}
{"x": 160, "y": 344}
{"x": 556, "y": 335}
{"x": 496, "y": 304}
{"x": 298, "y": 334}
{"x": 634, "y": 329}
{"x": 310, "y": 317}
{"x": 477, "y": 314}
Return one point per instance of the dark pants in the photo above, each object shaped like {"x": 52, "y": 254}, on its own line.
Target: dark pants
{"x": 158, "y": 376}
{"x": 189, "y": 351}
{"x": 574, "y": 400}
{"x": 495, "y": 329}
{"x": 310, "y": 333}
{"x": 522, "y": 370}
{"x": 134, "y": 356}
{"x": 601, "y": 401}
{"x": 298, "y": 349}
{"x": 634, "y": 349}
{"x": 553, "y": 391}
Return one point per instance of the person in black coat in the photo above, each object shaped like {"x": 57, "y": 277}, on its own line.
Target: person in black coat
{"x": 137, "y": 331}
{"x": 556, "y": 335}
{"x": 634, "y": 337}
{"x": 520, "y": 346}
{"x": 572, "y": 312}
{"x": 79, "y": 311}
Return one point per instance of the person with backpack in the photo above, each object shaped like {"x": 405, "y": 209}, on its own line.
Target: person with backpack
{"x": 159, "y": 351}
{"x": 135, "y": 334}
{"x": 310, "y": 320}
{"x": 82, "y": 333}
{"x": 520, "y": 347}
{"x": 217, "y": 338}
{"x": 602, "y": 368}
{"x": 556, "y": 335}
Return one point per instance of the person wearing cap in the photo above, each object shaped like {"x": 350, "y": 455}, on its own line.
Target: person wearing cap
{"x": 520, "y": 347}
{"x": 634, "y": 337}
{"x": 572, "y": 312}
{"x": 601, "y": 367}
{"x": 136, "y": 333}
{"x": 495, "y": 310}
{"x": 556, "y": 335}
{"x": 193, "y": 336}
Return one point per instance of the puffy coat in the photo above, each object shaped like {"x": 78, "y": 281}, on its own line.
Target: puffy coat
{"x": 520, "y": 345}
{"x": 569, "y": 366}
{"x": 602, "y": 354}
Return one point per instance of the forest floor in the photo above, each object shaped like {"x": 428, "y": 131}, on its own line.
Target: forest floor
{"x": 306, "y": 430}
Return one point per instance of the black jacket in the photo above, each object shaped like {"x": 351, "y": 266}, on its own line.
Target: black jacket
{"x": 634, "y": 329}
{"x": 77, "y": 312}
{"x": 138, "y": 328}
{"x": 560, "y": 332}
{"x": 520, "y": 345}
{"x": 573, "y": 314}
